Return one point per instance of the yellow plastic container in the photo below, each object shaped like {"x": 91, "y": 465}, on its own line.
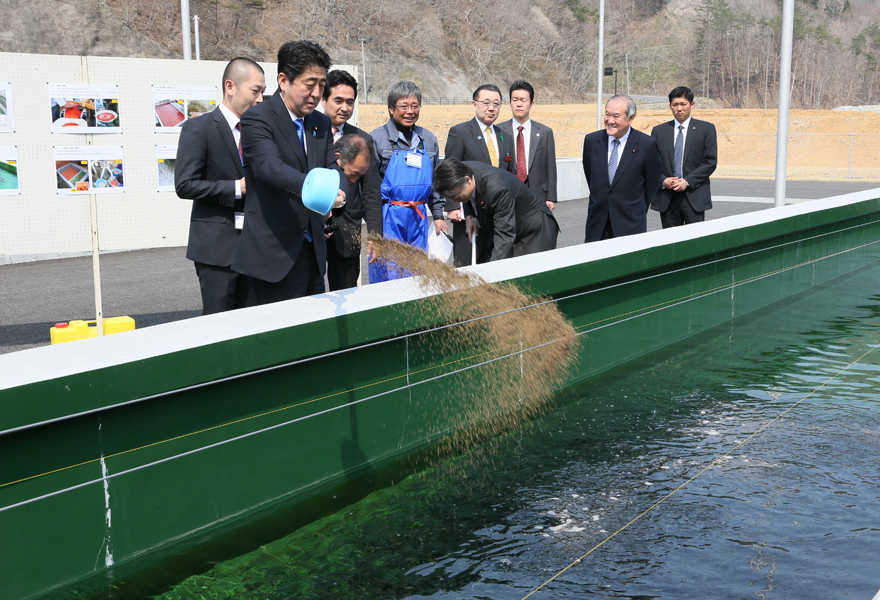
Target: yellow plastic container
{"x": 81, "y": 330}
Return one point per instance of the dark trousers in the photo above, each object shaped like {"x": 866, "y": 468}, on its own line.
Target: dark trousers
{"x": 461, "y": 246}
{"x": 221, "y": 287}
{"x": 608, "y": 231}
{"x": 303, "y": 279}
{"x": 342, "y": 271}
{"x": 680, "y": 212}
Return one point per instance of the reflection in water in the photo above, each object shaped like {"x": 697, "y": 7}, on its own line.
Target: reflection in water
{"x": 793, "y": 513}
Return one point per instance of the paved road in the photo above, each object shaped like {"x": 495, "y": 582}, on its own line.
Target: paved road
{"x": 159, "y": 285}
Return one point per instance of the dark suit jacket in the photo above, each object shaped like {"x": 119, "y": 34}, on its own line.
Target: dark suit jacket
{"x": 465, "y": 142}
{"x": 346, "y": 221}
{"x": 700, "y": 160}
{"x": 205, "y": 172}
{"x": 636, "y": 182}
{"x": 512, "y": 221}
{"x": 541, "y": 162}
{"x": 275, "y": 169}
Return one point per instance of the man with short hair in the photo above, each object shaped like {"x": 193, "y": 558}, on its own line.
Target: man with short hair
{"x": 689, "y": 153}
{"x": 534, "y": 154}
{"x": 511, "y": 221}
{"x": 343, "y": 228}
{"x": 476, "y": 139}
{"x": 282, "y": 249}
{"x": 344, "y": 245}
{"x": 405, "y": 155}
{"x": 208, "y": 170}
{"x": 622, "y": 167}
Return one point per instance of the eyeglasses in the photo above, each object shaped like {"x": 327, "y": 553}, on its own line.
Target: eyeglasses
{"x": 406, "y": 107}
{"x": 488, "y": 103}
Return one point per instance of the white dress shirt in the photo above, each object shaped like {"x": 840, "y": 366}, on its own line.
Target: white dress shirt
{"x": 236, "y": 135}
{"x": 527, "y": 139}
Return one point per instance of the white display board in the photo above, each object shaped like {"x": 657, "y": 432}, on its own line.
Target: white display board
{"x": 42, "y": 220}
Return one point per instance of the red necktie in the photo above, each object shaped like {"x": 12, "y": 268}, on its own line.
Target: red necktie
{"x": 240, "y": 155}
{"x": 521, "y": 156}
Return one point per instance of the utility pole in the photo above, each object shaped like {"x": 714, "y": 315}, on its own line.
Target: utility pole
{"x": 196, "y": 36}
{"x": 600, "y": 66}
{"x": 784, "y": 100}
{"x": 184, "y": 29}
{"x": 626, "y": 58}
{"x": 363, "y": 42}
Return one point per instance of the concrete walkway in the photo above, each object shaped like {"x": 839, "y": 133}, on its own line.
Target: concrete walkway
{"x": 159, "y": 285}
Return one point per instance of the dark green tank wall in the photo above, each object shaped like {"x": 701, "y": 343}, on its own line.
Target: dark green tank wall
{"x": 286, "y": 428}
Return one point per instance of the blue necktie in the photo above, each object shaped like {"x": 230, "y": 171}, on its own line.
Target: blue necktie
{"x": 612, "y": 162}
{"x": 299, "y": 132}
{"x": 678, "y": 151}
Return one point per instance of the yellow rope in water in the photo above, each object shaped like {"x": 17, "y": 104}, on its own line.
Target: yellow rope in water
{"x": 705, "y": 468}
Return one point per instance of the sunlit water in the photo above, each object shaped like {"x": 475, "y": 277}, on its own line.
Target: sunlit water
{"x": 793, "y": 513}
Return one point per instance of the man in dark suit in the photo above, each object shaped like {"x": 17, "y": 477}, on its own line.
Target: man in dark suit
{"x": 622, "y": 167}
{"x": 477, "y": 139}
{"x": 511, "y": 221}
{"x": 689, "y": 153}
{"x": 209, "y": 171}
{"x": 282, "y": 250}
{"x": 343, "y": 229}
{"x": 534, "y": 149}
{"x": 344, "y": 246}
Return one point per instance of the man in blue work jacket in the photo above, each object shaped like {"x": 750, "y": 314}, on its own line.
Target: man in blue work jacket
{"x": 405, "y": 155}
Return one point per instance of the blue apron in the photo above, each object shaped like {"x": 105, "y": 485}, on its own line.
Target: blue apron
{"x": 405, "y": 191}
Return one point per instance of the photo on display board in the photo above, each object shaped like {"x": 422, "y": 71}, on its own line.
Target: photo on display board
{"x": 169, "y": 113}
{"x": 73, "y": 175}
{"x": 89, "y": 169}
{"x": 106, "y": 174}
{"x": 166, "y": 155}
{"x": 9, "y": 183}
{"x": 77, "y": 114}
{"x": 196, "y": 108}
{"x": 5, "y": 107}
{"x": 174, "y": 104}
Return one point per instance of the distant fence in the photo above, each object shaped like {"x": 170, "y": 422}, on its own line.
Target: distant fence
{"x": 811, "y": 156}
{"x": 642, "y": 100}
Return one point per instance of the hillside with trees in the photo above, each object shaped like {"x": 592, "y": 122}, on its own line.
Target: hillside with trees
{"x": 725, "y": 49}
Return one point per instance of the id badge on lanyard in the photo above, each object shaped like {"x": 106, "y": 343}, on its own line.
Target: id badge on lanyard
{"x": 414, "y": 159}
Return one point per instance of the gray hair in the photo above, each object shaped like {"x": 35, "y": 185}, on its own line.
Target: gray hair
{"x": 630, "y": 105}
{"x": 403, "y": 89}
{"x": 349, "y": 147}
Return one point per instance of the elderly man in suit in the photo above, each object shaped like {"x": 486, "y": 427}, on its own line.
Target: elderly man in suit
{"x": 534, "y": 155}
{"x": 282, "y": 250}
{"x": 209, "y": 171}
{"x": 510, "y": 220}
{"x": 689, "y": 152}
{"x": 344, "y": 242}
{"x": 476, "y": 139}
{"x": 622, "y": 167}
